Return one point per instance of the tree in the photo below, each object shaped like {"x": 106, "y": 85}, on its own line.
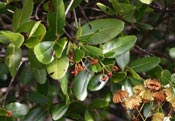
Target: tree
{"x": 87, "y": 60}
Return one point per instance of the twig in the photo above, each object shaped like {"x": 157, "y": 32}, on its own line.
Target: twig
{"x": 83, "y": 13}
{"x": 67, "y": 34}
{"x": 69, "y": 6}
{"x": 142, "y": 50}
{"x": 37, "y": 9}
{"x": 75, "y": 17}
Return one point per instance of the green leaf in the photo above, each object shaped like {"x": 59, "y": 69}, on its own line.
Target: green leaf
{"x": 96, "y": 83}
{"x": 3, "y": 112}
{"x": 146, "y": 1}
{"x": 147, "y": 110}
{"x": 88, "y": 116}
{"x": 4, "y": 69}
{"x": 145, "y": 26}
{"x": 58, "y": 111}
{"x": 96, "y": 68}
{"x": 105, "y": 9}
{"x": 100, "y": 31}
{"x": 92, "y": 51}
{"x": 58, "y": 68}
{"x": 44, "y": 52}
{"x": 98, "y": 103}
{"x": 145, "y": 64}
{"x": 2, "y": 5}
{"x": 8, "y": 36}
{"x": 56, "y": 16}
{"x": 40, "y": 75}
{"x": 172, "y": 52}
{"x": 165, "y": 77}
{"x": 60, "y": 46}
{"x": 13, "y": 58}
{"x": 64, "y": 84}
{"x": 36, "y": 114}
{"x": 22, "y": 16}
{"x": 119, "y": 46}
{"x": 80, "y": 84}
{"x": 118, "y": 77}
{"x": 17, "y": 109}
{"x": 26, "y": 74}
{"x": 134, "y": 74}
{"x": 38, "y": 98}
{"x": 78, "y": 55}
{"x": 156, "y": 72}
{"x": 35, "y": 31}
{"x": 123, "y": 60}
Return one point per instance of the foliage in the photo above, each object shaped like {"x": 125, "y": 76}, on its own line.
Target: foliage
{"x": 85, "y": 59}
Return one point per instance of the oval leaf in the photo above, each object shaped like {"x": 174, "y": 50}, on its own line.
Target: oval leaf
{"x": 88, "y": 116}
{"x": 145, "y": 64}
{"x": 92, "y": 51}
{"x": 59, "y": 47}
{"x": 119, "y": 46}
{"x": 44, "y": 52}
{"x": 98, "y": 103}
{"x": 58, "y": 111}
{"x": 123, "y": 60}
{"x": 39, "y": 75}
{"x": 78, "y": 55}
{"x": 58, "y": 68}
{"x": 100, "y": 31}
{"x": 97, "y": 83}
{"x": 81, "y": 82}
{"x": 64, "y": 84}
{"x": 165, "y": 77}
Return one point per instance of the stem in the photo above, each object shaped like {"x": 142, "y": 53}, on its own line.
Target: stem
{"x": 140, "y": 114}
{"x": 69, "y": 6}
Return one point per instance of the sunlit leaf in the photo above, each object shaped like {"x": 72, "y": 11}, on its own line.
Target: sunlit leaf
{"x": 172, "y": 52}
{"x": 146, "y": 1}
{"x": 88, "y": 116}
{"x": 58, "y": 111}
{"x": 60, "y": 46}
{"x": 165, "y": 77}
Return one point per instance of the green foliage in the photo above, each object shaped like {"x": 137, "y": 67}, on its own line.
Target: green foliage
{"x": 64, "y": 59}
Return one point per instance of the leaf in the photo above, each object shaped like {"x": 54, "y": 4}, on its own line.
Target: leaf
{"x": 123, "y": 60}
{"x": 134, "y": 74}
{"x": 34, "y": 31}
{"x": 98, "y": 103}
{"x": 36, "y": 114}
{"x": 80, "y": 84}
{"x": 88, "y": 116}
{"x": 100, "y": 31}
{"x": 22, "y": 16}
{"x": 119, "y": 46}
{"x": 78, "y": 55}
{"x": 58, "y": 111}
{"x": 147, "y": 110}
{"x": 8, "y": 36}
{"x": 105, "y": 9}
{"x": 38, "y": 98}
{"x": 2, "y": 5}
{"x": 64, "y": 84}
{"x": 145, "y": 26}
{"x": 3, "y": 112}
{"x": 156, "y": 72}
{"x": 13, "y": 58}
{"x": 40, "y": 75}
{"x": 4, "y": 69}
{"x": 165, "y": 77}
{"x": 56, "y": 16}
{"x": 96, "y": 83}
{"x": 146, "y": 1}
{"x": 96, "y": 68}
{"x": 26, "y": 74}
{"x": 60, "y": 46}
{"x": 145, "y": 64}
{"x": 172, "y": 52}
{"x": 17, "y": 109}
{"x": 118, "y": 77}
{"x": 58, "y": 68}
{"x": 44, "y": 52}
{"x": 92, "y": 51}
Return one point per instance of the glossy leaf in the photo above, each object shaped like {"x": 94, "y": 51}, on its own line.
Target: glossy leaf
{"x": 58, "y": 68}
{"x": 64, "y": 84}
{"x": 17, "y": 109}
{"x": 80, "y": 85}
{"x": 56, "y": 16}
{"x": 40, "y": 75}
{"x": 92, "y": 51}
{"x": 78, "y": 55}
{"x": 44, "y": 52}
{"x": 123, "y": 60}
{"x": 13, "y": 58}
{"x": 38, "y": 98}
{"x": 15, "y": 38}
{"x": 60, "y": 46}
{"x": 22, "y": 16}
{"x": 147, "y": 110}
{"x": 146, "y": 1}
{"x": 88, "y": 116}
{"x": 165, "y": 77}
{"x": 26, "y": 74}
{"x": 156, "y": 72}
{"x": 58, "y": 111}
{"x": 119, "y": 46}
{"x": 145, "y": 64}
{"x": 100, "y": 31}
{"x": 35, "y": 31}
{"x": 96, "y": 83}
{"x": 98, "y": 103}
{"x": 36, "y": 114}
{"x": 172, "y": 52}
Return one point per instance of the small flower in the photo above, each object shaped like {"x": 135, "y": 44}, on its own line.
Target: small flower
{"x": 159, "y": 96}
{"x": 158, "y": 116}
{"x": 137, "y": 89}
{"x": 9, "y": 114}
{"x": 79, "y": 67}
{"x": 109, "y": 73}
{"x": 133, "y": 102}
{"x": 74, "y": 72}
{"x": 119, "y": 96}
{"x": 115, "y": 68}
{"x": 94, "y": 61}
{"x": 146, "y": 95}
{"x": 152, "y": 84}
{"x": 104, "y": 78}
